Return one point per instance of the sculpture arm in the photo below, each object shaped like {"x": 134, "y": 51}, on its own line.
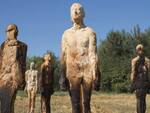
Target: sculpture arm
{"x": 0, "y": 58}
{"x": 93, "y": 54}
{"x": 24, "y": 56}
{"x": 97, "y": 81}
{"x": 53, "y": 70}
{"x": 36, "y": 80}
{"x": 52, "y": 88}
{"x": 63, "y": 54}
{"x": 1, "y": 54}
{"x": 26, "y": 76}
{"x": 41, "y": 76}
{"x": 148, "y": 66}
{"x": 26, "y": 80}
{"x": 63, "y": 80}
{"x": 133, "y": 71}
{"x": 21, "y": 57}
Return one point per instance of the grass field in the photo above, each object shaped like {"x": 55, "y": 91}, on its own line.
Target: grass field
{"x": 101, "y": 103}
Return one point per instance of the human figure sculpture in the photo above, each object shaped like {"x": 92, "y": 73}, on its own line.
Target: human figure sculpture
{"x": 46, "y": 83}
{"x": 79, "y": 61}
{"x": 31, "y": 86}
{"x": 12, "y": 68}
{"x": 139, "y": 77}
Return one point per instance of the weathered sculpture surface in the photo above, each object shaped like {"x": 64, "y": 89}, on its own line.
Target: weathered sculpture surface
{"x": 31, "y": 86}
{"x": 46, "y": 83}
{"x": 79, "y": 61}
{"x": 140, "y": 78}
{"x": 12, "y": 69}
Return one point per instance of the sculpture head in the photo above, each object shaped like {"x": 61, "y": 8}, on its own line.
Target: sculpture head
{"x": 47, "y": 58}
{"x": 12, "y": 32}
{"x": 32, "y": 65}
{"x": 77, "y": 12}
{"x": 139, "y": 49}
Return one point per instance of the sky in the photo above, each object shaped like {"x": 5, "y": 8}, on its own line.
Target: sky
{"x": 41, "y": 23}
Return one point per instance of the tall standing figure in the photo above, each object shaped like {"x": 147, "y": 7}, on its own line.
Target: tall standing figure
{"x": 46, "y": 83}
{"x": 79, "y": 61}
{"x": 31, "y": 76}
{"x": 12, "y": 68}
{"x": 140, "y": 79}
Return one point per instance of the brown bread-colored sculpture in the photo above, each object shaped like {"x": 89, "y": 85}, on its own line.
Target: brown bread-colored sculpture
{"x": 140, "y": 78}
{"x": 12, "y": 68}
{"x": 79, "y": 62}
{"x": 46, "y": 83}
{"x": 31, "y": 86}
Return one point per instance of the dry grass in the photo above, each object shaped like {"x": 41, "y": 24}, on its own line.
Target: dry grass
{"x": 101, "y": 103}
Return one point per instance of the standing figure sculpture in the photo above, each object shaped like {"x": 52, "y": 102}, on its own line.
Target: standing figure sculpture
{"x": 31, "y": 86}
{"x": 140, "y": 78}
{"x": 46, "y": 83}
{"x": 79, "y": 61}
{"x": 12, "y": 69}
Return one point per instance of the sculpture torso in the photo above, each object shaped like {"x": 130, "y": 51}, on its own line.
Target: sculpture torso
{"x": 32, "y": 78}
{"x": 47, "y": 75}
{"x": 10, "y": 65}
{"x": 80, "y": 51}
{"x": 141, "y": 71}
{"x": 13, "y": 62}
{"x": 78, "y": 45}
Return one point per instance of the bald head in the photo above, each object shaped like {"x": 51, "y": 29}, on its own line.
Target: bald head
{"x": 47, "y": 57}
{"x": 139, "y": 49}
{"x": 12, "y": 31}
{"x": 32, "y": 65}
{"x": 77, "y": 12}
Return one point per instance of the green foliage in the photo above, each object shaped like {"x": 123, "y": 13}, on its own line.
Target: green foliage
{"x": 115, "y": 54}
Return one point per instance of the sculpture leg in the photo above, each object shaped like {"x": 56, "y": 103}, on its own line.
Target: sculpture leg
{"x": 13, "y": 102}
{"x": 141, "y": 102}
{"x": 29, "y": 101}
{"x": 75, "y": 84}
{"x": 48, "y": 108}
{"x": 45, "y": 101}
{"x": 8, "y": 95}
{"x": 33, "y": 96}
{"x": 43, "y": 104}
{"x": 87, "y": 89}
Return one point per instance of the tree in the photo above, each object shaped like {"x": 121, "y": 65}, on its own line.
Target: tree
{"x": 115, "y": 53}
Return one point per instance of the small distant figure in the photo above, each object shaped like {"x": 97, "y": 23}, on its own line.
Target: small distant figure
{"x": 139, "y": 78}
{"x": 79, "y": 61}
{"x": 12, "y": 68}
{"x": 31, "y": 86}
{"x": 46, "y": 83}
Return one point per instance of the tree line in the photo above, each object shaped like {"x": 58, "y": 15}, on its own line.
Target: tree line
{"x": 115, "y": 53}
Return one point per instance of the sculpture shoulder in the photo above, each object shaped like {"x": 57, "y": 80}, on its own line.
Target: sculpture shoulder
{"x": 91, "y": 33}
{"x": 22, "y": 44}
{"x": 66, "y": 32}
{"x": 28, "y": 71}
{"x": 134, "y": 60}
{"x": 36, "y": 71}
{"x": 42, "y": 66}
{"x": 1, "y": 49}
{"x": 90, "y": 30}
{"x": 147, "y": 60}
{"x": 2, "y": 46}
